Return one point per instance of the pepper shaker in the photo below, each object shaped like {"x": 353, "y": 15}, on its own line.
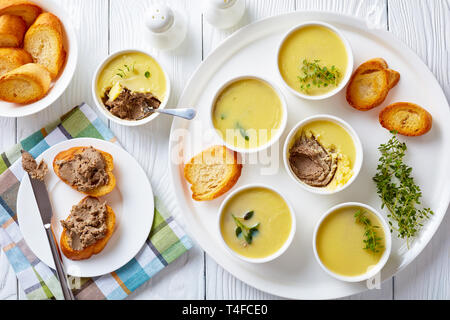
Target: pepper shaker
{"x": 224, "y": 14}
{"x": 166, "y": 28}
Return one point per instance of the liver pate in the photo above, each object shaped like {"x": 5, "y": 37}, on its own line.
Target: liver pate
{"x": 131, "y": 105}
{"x": 86, "y": 223}
{"x": 85, "y": 171}
{"x": 30, "y": 165}
{"x": 311, "y": 162}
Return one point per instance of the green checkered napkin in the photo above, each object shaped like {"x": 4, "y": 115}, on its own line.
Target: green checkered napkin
{"x": 166, "y": 241}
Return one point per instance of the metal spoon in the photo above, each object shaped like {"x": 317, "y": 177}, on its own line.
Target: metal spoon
{"x": 185, "y": 113}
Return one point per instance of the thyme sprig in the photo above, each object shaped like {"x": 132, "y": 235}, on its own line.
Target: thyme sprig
{"x": 241, "y": 228}
{"x": 315, "y": 75}
{"x": 372, "y": 241}
{"x": 398, "y": 191}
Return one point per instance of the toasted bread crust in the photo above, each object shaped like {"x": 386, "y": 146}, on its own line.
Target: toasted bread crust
{"x": 25, "y": 84}
{"x": 212, "y": 172}
{"x": 12, "y": 30}
{"x": 53, "y": 55}
{"x": 370, "y": 83}
{"x": 27, "y": 10}
{"x": 406, "y": 118}
{"x": 12, "y": 58}
{"x": 97, "y": 192}
{"x": 95, "y": 248}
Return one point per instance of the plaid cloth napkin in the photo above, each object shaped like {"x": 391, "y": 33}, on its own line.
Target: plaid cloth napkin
{"x": 166, "y": 241}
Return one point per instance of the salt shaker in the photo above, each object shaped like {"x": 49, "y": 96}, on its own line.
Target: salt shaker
{"x": 224, "y": 14}
{"x": 166, "y": 28}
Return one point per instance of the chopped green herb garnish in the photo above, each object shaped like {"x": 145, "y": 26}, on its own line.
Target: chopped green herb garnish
{"x": 222, "y": 116}
{"x": 318, "y": 76}
{"x": 247, "y": 232}
{"x": 147, "y": 74}
{"x": 398, "y": 191}
{"x": 372, "y": 241}
{"x": 242, "y": 131}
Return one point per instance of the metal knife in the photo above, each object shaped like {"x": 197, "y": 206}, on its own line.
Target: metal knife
{"x": 45, "y": 208}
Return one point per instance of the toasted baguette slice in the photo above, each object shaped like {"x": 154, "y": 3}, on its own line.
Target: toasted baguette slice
{"x": 95, "y": 248}
{"x": 212, "y": 172}
{"x": 406, "y": 118}
{"x": 27, "y": 10}
{"x": 97, "y": 192}
{"x": 25, "y": 84}
{"x": 44, "y": 41}
{"x": 370, "y": 84}
{"x": 368, "y": 90}
{"x": 393, "y": 78}
{"x": 12, "y": 29}
{"x": 12, "y": 58}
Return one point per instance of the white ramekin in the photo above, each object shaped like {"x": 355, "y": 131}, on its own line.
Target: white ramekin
{"x": 275, "y": 254}
{"x": 273, "y": 139}
{"x": 348, "y": 72}
{"x": 387, "y": 244}
{"x": 358, "y": 148}
{"x": 99, "y": 103}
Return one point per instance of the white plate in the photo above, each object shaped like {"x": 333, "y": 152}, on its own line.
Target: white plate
{"x": 131, "y": 200}
{"x": 252, "y": 50}
{"x": 57, "y": 87}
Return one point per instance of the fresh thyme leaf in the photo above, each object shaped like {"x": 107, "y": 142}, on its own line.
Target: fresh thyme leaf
{"x": 318, "y": 76}
{"x": 247, "y": 232}
{"x": 372, "y": 241}
{"x": 242, "y": 131}
{"x": 398, "y": 191}
{"x": 147, "y": 74}
{"x": 249, "y": 215}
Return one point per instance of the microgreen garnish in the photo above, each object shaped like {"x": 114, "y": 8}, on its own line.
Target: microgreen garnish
{"x": 315, "y": 75}
{"x": 372, "y": 241}
{"x": 242, "y": 131}
{"x": 398, "y": 191}
{"x": 247, "y": 232}
{"x": 122, "y": 72}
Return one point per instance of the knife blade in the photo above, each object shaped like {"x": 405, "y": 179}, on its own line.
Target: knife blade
{"x": 45, "y": 209}
{"x": 42, "y": 200}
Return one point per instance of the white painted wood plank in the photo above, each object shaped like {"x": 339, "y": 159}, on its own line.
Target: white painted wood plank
{"x": 90, "y": 19}
{"x": 423, "y": 25}
{"x": 183, "y": 279}
{"x": 219, "y": 283}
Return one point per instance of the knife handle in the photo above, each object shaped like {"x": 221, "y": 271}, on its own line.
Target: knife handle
{"x": 61, "y": 274}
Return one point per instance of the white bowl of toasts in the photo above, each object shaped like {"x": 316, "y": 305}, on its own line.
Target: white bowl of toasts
{"x": 38, "y": 55}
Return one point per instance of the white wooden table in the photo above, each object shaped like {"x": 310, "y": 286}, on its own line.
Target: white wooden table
{"x": 104, "y": 26}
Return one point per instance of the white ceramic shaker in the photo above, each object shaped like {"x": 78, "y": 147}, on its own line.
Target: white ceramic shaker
{"x": 166, "y": 28}
{"x": 224, "y": 14}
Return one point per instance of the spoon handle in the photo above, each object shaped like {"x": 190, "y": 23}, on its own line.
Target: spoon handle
{"x": 186, "y": 113}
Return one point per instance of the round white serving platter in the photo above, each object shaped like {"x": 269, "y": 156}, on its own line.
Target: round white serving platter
{"x": 58, "y": 86}
{"x": 131, "y": 200}
{"x": 252, "y": 50}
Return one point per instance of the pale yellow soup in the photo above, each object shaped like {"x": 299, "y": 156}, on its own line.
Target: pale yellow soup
{"x": 336, "y": 139}
{"x": 340, "y": 246}
{"x": 247, "y": 113}
{"x": 311, "y": 43}
{"x": 270, "y": 210}
{"x": 135, "y": 71}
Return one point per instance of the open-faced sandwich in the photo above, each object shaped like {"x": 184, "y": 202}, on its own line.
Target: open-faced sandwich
{"x": 87, "y": 229}
{"x": 86, "y": 169}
